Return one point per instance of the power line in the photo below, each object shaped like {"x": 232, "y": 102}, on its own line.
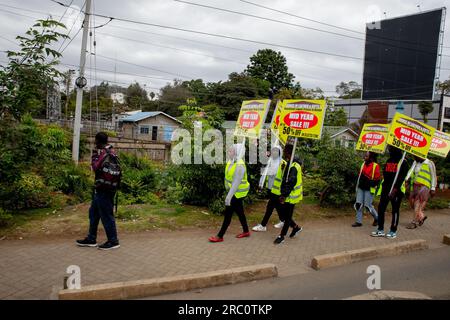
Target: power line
{"x": 70, "y": 31}
{"x": 8, "y": 40}
{"x": 172, "y": 48}
{"x": 122, "y": 73}
{"x": 240, "y": 39}
{"x": 221, "y": 36}
{"x": 314, "y": 29}
{"x": 269, "y": 19}
{"x": 316, "y": 21}
{"x": 146, "y": 67}
{"x": 227, "y": 47}
{"x": 137, "y": 30}
{"x": 303, "y": 18}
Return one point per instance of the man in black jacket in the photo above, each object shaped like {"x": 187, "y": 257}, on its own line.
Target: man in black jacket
{"x": 291, "y": 193}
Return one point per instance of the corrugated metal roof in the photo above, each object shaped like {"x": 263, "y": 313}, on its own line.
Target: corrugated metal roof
{"x": 144, "y": 115}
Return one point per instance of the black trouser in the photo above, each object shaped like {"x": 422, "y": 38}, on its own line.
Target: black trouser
{"x": 395, "y": 203}
{"x": 288, "y": 212}
{"x": 238, "y": 207}
{"x": 102, "y": 208}
{"x": 274, "y": 203}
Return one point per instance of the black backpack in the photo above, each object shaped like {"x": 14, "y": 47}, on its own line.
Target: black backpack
{"x": 109, "y": 175}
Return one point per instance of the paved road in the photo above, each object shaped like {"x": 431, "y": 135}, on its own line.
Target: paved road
{"x": 35, "y": 268}
{"x": 427, "y": 272}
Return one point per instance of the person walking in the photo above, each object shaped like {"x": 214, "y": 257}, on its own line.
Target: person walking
{"x": 106, "y": 167}
{"x": 395, "y": 196}
{"x": 291, "y": 194}
{"x": 237, "y": 187}
{"x": 368, "y": 182}
{"x": 272, "y": 181}
{"x": 423, "y": 181}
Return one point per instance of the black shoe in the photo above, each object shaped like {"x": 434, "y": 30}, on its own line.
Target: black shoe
{"x": 375, "y": 223}
{"x": 108, "y": 245}
{"x": 279, "y": 240}
{"x": 357, "y": 224}
{"x": 86, "y": 242}
{"x": 294, "y": 232}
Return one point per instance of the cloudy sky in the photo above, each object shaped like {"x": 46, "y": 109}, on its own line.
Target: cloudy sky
{"x": 154, "y": 55}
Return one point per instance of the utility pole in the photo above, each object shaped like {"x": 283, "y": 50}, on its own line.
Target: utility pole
{"x": 80, "y": 83}
{"x": 68, "y": 81}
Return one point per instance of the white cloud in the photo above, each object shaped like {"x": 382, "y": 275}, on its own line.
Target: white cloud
{"x": 310, "y": 69}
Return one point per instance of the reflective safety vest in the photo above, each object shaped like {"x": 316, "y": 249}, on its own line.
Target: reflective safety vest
{"x": 402, "y": 188}
{"x": 424, "y": 176}
{"x": 373, "y": 190}
{"x": 276, "y": 188}
{"x": 244, "y": 186}
{"x": 297, "y": 192}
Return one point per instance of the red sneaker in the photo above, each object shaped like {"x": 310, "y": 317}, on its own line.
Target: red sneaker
{"x": 215, "y": 239}
{"x": 243, "y": 235}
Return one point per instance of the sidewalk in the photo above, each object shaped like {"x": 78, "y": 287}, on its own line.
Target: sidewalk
{"x": 35, "y": 269}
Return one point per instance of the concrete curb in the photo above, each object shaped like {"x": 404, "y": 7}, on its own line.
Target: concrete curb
{"x": 446, "y": 239}
{"x": 159, "y": 286}
{"x": 390, "y": 295}
{"x": 348, "y": 257}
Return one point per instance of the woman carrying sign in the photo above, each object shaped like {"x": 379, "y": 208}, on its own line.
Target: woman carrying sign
{"x": 423, "y": 185}
{"x": 368, "y": 181}
{"x": 237, "y": 186}
{"x": 272, "y": 180}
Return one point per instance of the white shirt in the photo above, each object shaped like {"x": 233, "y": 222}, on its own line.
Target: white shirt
{"x": 416, "y": 169}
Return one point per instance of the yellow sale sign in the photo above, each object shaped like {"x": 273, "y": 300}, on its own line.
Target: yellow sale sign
{"x": 373, "y": 138}
{"x": 251, "y": 118}
{"x": 302, "y": 118}
{"x": 274, "y": 126}
{"x": 440, "y": 144}
{"x": 410, "y": 135}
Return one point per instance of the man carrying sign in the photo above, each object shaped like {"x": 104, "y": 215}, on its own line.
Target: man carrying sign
{"x": 423, "y": 185}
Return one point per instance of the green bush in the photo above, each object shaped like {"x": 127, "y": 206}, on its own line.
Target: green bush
{"x": 70, "y": 179}
{"x": 437, "y": 203}
{"x": 127, "y": 214}
{"x": 174, "y": 194}
{"x": 217, "y": 206}
{"x": 339, "y": 168}
{"x": 31, "y": 192}
{"x": 313, "y": 185}
{"x": 5, "y": 218}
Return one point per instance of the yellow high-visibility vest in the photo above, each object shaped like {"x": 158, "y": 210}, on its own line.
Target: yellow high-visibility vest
{"x": 244, "y": 186}
{"x": 297, "y": 193}
{"x": 276, "y": 188}
{"x": 424, "y": 176}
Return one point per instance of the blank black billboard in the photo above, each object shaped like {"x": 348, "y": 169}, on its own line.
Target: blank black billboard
{"x": 400, "y": 57}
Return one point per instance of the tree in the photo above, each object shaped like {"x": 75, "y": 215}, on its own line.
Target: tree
{"x": 172, "y": 96}
{"x": 136, "y": 96}
{"x": 199, "y": 90}
{"x": 270, "y": 66}
{"x": 444, "y": 86}
{"x": 230, "y": 94}
{"x": 30, "y": 71}
{"x": 349, "y": 90}
{"x": 336, "y": 117}
{"x": 425, "y": 108}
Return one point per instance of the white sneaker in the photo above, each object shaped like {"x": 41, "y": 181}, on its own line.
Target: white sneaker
{"x": 259, "y": 228}
{"x": 279, "y": 225}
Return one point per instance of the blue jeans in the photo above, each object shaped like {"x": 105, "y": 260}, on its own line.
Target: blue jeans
{"x": 364, "y": 199}
{"x": 102, "y": 207}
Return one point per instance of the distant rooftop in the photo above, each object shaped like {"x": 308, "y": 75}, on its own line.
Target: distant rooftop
{"x": 139, "y": 116}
